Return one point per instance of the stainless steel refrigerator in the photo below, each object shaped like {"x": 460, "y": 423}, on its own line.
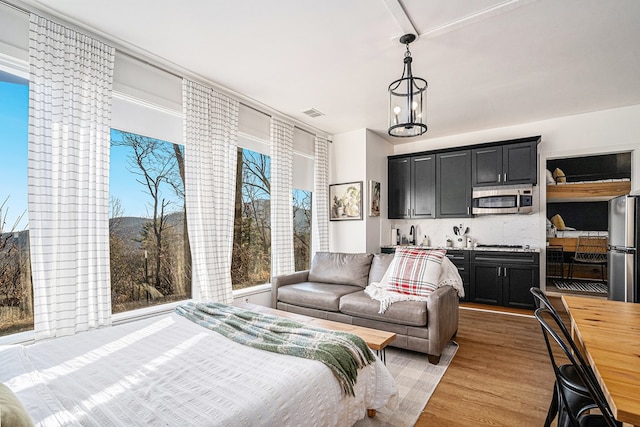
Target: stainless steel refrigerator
{"x": 624, "y": 238}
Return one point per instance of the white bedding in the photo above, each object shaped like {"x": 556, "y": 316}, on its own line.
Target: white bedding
{"x": 168, "y": 371}
{"x": 576, "y": 233}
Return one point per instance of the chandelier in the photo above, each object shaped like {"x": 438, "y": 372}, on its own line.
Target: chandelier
{"x": 407, "y": 100}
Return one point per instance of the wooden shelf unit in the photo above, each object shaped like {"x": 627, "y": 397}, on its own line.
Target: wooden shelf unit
{"x": 568, "y": 244}
{"x": 587, "y": 191}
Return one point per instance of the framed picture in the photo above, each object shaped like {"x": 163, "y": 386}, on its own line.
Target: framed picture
{"x": 374, "y": 198}
{"x": 345, "y": 201}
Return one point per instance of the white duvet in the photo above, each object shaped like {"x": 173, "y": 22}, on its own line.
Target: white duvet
{"x": 168, "y": 371}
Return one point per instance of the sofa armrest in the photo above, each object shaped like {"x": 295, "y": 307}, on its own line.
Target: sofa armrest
{"x": 442, "y": 318}
{"x": 286, "y": 279}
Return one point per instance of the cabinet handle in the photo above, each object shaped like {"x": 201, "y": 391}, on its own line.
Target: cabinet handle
{"x": 505, "y": 177}
{"x": 499, "y": 271}
{"x": 408, "y": 212}
{"x": 468, "y": 210}
{"x": 499, "y": 177}
{"x": 505, "y": 272}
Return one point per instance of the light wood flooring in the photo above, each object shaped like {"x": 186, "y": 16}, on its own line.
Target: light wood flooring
{"x": 500, "y": 376}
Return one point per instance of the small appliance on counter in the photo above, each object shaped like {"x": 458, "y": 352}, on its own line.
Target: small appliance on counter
{"x": 624, "y": 238}
{"x": 395, "y": 237}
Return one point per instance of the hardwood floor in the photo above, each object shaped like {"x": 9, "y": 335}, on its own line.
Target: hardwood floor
{"x": 500, "y": 376}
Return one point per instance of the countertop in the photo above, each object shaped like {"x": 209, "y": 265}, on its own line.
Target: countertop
{"x": 491, "y": 249}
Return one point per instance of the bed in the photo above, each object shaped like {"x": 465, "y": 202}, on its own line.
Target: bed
{"x": 168, "y": 370}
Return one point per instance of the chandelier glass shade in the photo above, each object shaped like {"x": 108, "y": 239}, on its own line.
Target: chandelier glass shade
{"x": 407, "y": 100}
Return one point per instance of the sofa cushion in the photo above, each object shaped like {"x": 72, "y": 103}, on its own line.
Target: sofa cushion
{"x": 411, "y": 313}
{"x": 323, "y": 296}
{"x": 379, "y": 265}
{"x": 416, "y": 271}
{"x": 340, "y": 268}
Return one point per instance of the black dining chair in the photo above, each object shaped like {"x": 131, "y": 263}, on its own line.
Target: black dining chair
{"x": 577, "y": 394}
{"x": 572, "y": 417}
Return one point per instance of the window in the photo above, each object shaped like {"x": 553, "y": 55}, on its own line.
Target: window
{"x": 302, "y": 229}
{"x": 16, "y": 305}
{"x": 148, "y": 239}
{"x": 251, "y": 263}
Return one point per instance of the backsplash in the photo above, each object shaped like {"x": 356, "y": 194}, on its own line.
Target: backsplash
{"x": 491, "y": 229}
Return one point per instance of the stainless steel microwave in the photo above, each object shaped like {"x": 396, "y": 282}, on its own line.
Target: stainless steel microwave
{"x": 513, "y": 200}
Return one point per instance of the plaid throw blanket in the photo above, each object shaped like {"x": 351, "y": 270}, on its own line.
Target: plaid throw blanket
{"x": 342, "y": 352}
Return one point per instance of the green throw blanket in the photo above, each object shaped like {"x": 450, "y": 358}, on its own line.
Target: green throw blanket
{"x": 342, "y": 352}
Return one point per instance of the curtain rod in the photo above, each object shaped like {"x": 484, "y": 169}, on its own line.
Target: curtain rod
{"x": 130, "y": 51}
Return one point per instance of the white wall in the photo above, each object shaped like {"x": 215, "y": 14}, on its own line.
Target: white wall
{"x": 378, "y": 149}
{"x": 607, "y": 131}
{"x": 361, "y": 155}
{"x": 347, "y": 163}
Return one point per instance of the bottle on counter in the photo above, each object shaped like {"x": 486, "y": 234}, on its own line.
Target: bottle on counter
{"x": 425, "y": 240}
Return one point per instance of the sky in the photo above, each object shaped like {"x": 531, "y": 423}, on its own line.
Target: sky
{"x": 14, "y": 112}
{"x": 133, "y": 196}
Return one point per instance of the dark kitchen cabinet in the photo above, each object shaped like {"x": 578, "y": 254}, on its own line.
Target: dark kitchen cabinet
{"x": 411, "y": 182}
{"x": 453, "y": 184}
{"x": 399, "y": 184}
{"x": 460, "y": 258}
{"x": 504, "y": 278}
{"x": 513, "y": 163}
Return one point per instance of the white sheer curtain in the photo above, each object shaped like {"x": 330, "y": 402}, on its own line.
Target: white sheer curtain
{"x": 282, "y": 261}
{"x": 320, "y": 238}
{"x": 211, "y": 144}
{"x": 68, "y": 176}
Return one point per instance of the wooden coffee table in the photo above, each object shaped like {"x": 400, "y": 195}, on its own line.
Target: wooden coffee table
{"x": 376, "y": 340}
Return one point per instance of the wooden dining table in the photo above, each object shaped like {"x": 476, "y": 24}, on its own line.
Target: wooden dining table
{"x": 609, "y": 334}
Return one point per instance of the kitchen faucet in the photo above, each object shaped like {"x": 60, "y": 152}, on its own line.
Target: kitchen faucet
{"x": 412, "y": 236}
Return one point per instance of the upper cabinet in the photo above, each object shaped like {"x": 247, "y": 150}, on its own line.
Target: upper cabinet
{"x": 412, "y": 187}
{"x": 423, "y": 186}
{"x": 453, "y": 184}
{"x": 439, "y": 184}
{"x": 399, "y": 184}
{"x": 507, "y": 164}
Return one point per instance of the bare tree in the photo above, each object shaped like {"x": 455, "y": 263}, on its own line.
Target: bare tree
{"x": 15, "y": 277}
{"x": 155, "y": 165}
{"x": 179, "y": 188}
{"x": 256, "y": 191}
{"x": 239, "y": 268}
{"x": 252, "y": 226}
{"x": 302, "y": 228}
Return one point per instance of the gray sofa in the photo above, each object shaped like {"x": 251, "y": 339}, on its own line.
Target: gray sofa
{"x": 333, "y": 289}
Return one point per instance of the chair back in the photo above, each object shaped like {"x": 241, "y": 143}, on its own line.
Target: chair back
{"x": 567, "y": 345}
{"x": 591, "y": 249}
{"x": 543, "y": 302}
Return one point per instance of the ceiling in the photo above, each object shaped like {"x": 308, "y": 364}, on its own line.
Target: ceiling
{"x": 489, "y": 63}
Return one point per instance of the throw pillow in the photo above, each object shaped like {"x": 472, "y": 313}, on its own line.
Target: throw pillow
{"x": 558, "y": 222}
{"x": 12, "y": 412}
{"x": 415, "y": 271}
{"x": 559, "y": 175}
{"x": 550, "y": 178}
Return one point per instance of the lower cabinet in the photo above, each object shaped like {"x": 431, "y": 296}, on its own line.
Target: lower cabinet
{"x": 460, "y": 258}
{"x": 495, "y": 277}
{"x": 504, "y": 278}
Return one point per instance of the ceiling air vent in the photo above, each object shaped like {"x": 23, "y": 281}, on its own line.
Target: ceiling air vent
{"x": 312, "y": 112}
